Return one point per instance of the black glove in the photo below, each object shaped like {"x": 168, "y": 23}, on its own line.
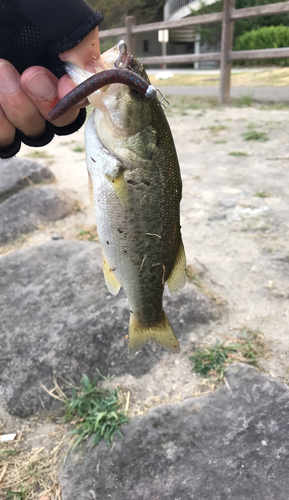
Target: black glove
{"x": 33, "y": 33}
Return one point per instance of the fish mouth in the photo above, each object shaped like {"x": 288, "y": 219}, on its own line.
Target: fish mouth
{"x": 124, "y": 58}
{"x": 124, "y": 69}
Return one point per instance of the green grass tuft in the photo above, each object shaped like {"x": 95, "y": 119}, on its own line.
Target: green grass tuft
{"x": 78, "y": 149}
{"x": 254, "y": 135}
{"x": 13, "y": 495}
{"x": 207, "y": 359}
{"x": 245, "y": 100}
{"x": 90, "y": 235}
{"x": 212, "y": 361}
{"x": 215, "y": 129}
{"x": 281, "y": 105}
{"x": 262, "y": 194}
{"x": 238, "y": 153}
{"x": 94, "y": 412}
{"x": 36, "y": 153}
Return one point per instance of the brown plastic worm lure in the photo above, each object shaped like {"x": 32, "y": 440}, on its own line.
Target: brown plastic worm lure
{"x": 98, "y": 81}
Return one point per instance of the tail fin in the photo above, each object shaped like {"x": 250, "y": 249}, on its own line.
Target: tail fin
{"x": 161, "y": 333}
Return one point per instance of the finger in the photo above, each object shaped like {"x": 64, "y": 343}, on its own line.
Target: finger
{"x": 17, "y": 106}
{"x": 86, "y": 54}
{"x": 7, "y": 131}
{"x": 65, "y": 85}
{"x": 41, "y": 86}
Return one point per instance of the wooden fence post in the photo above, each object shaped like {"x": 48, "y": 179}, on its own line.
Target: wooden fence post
{"x": 226, "y": 47}
{"x": 130, "y": 21}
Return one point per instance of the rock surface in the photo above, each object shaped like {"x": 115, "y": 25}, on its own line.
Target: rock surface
{"x": 232, "y": 444}
{"x": 23, "y": 211}
{"x": 18, "y": 173}
{"x": 58, "y": 318}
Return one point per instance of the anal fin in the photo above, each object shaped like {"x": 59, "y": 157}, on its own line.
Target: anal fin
{"x": 111, "y": 282}
{"x": 177, "y": 278}
{"x": 160, "y": 333}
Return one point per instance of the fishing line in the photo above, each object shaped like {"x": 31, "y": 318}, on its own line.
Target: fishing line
{"x": 163, "y": 98}
{"x": 229, "y": 171}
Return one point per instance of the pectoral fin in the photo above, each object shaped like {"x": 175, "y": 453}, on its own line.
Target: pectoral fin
{"x": 161, "y": 334}
{"x": 111, "y": 282}
{"x": 120, "y": 187}
{"x": 177, "y": 278}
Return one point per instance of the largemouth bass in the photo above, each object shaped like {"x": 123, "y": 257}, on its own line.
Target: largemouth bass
{"x": 136, "y": 190}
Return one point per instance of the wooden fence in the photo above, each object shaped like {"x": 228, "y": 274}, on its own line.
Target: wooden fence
{"x": 226, "y": 56}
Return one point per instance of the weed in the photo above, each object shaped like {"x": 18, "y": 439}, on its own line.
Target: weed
{"x": 24, "y": 472}
{"x": 94, "y": 412}
{"x": 4, "y": 453}
{"x": 88, "y": 234}
{"x": 38, "y": 154}
{"x": 281, "y": 105}
{"x": 262, "y": 194}
{"x": 19, "y": 495}
{"x": 194, "y": 105}
{"x": 78, "y": 149}
{"x": 215, "y": 129}
{"x": 212, "y": 361}
{"x": 254, "y": 135}
{"x": 238, "y": 153}
{"x": 245, "y": 100}
{"x": 209, "y": 359}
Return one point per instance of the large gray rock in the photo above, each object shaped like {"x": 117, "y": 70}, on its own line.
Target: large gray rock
{"x": 232, "y": 444}
{"x": 23, "y": 211}
{"x": 58, "y": 318}
{"x": 18, "y": 173}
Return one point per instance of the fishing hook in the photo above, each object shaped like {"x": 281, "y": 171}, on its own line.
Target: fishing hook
{"x": 163, "y": 98}
{"x": 96, "y": 82}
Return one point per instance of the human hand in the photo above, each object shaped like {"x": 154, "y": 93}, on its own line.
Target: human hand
{"x": 26, "y": 100}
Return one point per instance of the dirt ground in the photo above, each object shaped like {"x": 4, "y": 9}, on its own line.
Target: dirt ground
{"x": 234, "y": 211}
{"x": 234, "y": 217}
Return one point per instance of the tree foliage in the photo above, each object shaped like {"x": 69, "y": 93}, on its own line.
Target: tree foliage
{"x": 211, "y": 33}
{"x": 268, "y": 37}
{"x": 115, "y": 11}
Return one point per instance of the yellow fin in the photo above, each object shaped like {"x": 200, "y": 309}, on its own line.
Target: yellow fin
{"x": 162, "y": 334}
{"x": 120, "y": 187}
{"x": 178, "y": 276}
{"x": 90, "y": 189}
{"x": 111, "y": 282}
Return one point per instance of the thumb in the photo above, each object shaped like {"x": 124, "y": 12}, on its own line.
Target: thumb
{"x": 86, "y": 54}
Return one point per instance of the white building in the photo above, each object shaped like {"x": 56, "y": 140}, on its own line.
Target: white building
{"x": 182, "y": 40}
